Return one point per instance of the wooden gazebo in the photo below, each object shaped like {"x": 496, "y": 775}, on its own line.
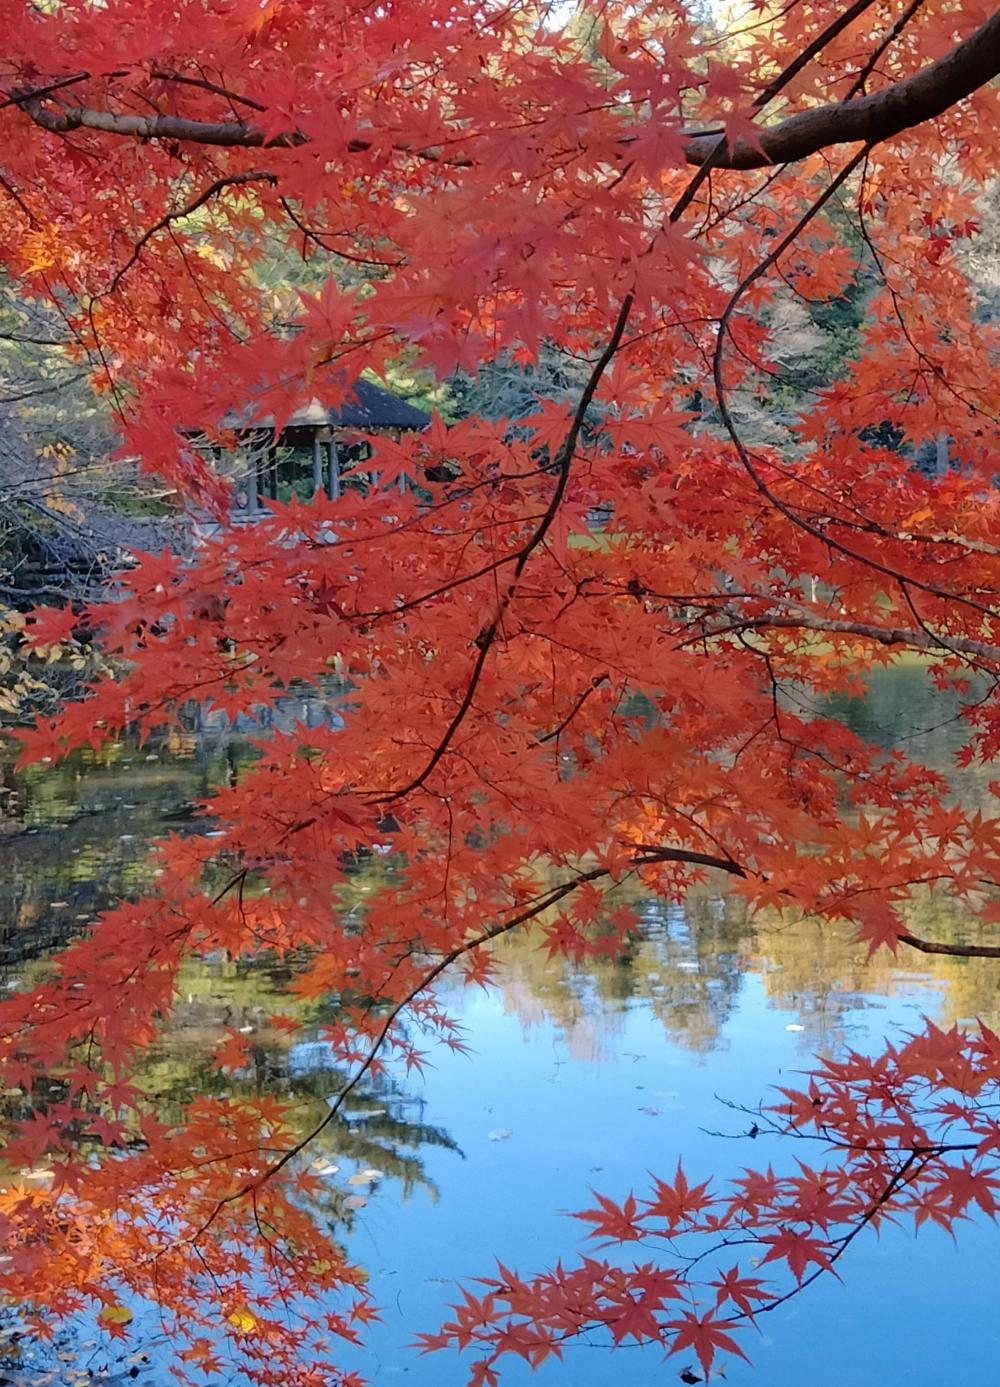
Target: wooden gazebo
{"x": 315, "y": 446}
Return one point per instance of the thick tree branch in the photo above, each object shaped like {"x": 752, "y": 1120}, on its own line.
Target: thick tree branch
{"x": 870, "y": 119}
{"x": 884, "y": 635}
{"x": 928, "y": 946}
{"x": 233, "y": 134}
{"x": 645, "y": 856}
{"x": 181, "y": 129}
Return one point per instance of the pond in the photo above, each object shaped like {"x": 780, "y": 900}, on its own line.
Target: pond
{"x": 579, "y": 1078}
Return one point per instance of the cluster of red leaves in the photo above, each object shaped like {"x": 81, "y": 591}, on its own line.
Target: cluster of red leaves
{"x": 910, "y": 1136}
{"x": 541, "y": 711}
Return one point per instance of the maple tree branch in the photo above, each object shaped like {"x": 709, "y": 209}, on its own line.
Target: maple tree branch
{"x": 648, "y": 855}
{"x": 16, "y": 99}
{"x": 871, "y": 119}
{"x": 932, "y": 367}
{"x": 930, "y": 946}
{"x": 766, "y": 1124}
{"x": 319, "y": 238}
{"x": 238, "y": 134}
{"x": 959, "y": 541}
{"x": 750, "y": 463}
{"x": 900, "y": 1179}
{"x": 203, "y": 84}
{"x": 878, "y": 116}
{"x": 645, "y": 856}
{"x": 230, "y": 181}
{"x": 562, "y": 463}
{"x": 225, "y": 134}
{"x": 884, "y": 635}
{"x": 858, "y": 85}
{"x": 578, "y": 703}
{"x": 811, "y": 50}
{"x": 451, "y": 957}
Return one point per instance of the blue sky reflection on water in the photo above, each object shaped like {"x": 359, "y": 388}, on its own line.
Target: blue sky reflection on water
{"x": 915, "y": 1311}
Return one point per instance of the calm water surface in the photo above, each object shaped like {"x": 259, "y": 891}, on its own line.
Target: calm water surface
{"x": 580, "y": 1078}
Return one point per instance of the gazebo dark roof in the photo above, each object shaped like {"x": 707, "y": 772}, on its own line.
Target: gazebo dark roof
{"x": 371, "y": 407}
{"x": 366, "y": 407}
{"x": 268, "y": 462}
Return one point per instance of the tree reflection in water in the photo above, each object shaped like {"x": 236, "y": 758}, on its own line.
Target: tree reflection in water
{"x": 75, "y": 838}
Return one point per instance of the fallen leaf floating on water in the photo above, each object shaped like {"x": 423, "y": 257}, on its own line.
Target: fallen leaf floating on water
{"x": 365, "y": 1177}
{"x": 241, "y": 1318}
{"x": 116, "y": 1314}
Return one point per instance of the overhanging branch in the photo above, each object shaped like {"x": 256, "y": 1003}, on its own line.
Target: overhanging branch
{"x": 868, "y": 119}
{"x": 884, "y": 635}
{"x": 871, "y": 119}
{"x": 928, "y": 946}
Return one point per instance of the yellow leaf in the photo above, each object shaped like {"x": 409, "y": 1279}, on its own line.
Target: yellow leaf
{"x": 115, "y": 1314}
{"x": 242, "y": 1319}
{"x": 38, "y": 256}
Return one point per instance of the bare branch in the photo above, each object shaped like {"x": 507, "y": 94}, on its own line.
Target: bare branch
{"x": 648, "y": 855}
{"x": 225, "y": 133}
{"x": 928, "y": 946}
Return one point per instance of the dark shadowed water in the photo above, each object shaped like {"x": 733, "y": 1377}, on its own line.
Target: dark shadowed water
{"x": 580, "y": 1078}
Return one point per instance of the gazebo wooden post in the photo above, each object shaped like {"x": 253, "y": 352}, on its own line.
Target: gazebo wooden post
{"x": 272, "y": 470}
{"x": 396, "y": 435}
{"x": 249, "y": 458}
{"x": 260, "y": 455}
{"x": 317, "y": 465}
{"x": 333, "y": 470}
